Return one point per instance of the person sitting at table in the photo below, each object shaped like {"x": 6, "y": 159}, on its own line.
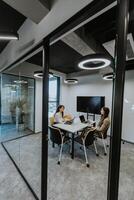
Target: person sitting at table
{"x": 103, "y": 124}
{"x": 59, "y": 116}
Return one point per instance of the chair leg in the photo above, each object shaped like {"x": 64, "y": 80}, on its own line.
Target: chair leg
{"x": 85, "y": 152}
{"x": 53, "y": 144}
{"x": 96, "y": 151}
{"x": 61, "y": 150}
{"x": 105, "y": 149}
{"x": 107, "y": 143}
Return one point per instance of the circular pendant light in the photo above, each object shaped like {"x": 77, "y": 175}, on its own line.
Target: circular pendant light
{"x": 39, "y": 74}
{"x": 94, "y": 61}
{"x": 108, "y": 76}
{"x": 71, "y": 81}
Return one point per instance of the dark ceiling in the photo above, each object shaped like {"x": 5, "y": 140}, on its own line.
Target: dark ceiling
{"x": 103, "y": 28}
{"x": 10, "y": 21}
{"x": 63, "y": 58}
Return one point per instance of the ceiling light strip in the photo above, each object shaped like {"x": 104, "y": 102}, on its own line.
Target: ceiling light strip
{"x": 2, "y": 37}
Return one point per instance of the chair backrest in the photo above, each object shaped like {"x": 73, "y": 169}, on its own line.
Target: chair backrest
{"x": 82, "y": 118}
{"x": 55, "y": 135}
{"x": 51, "y": 119}
{"x": 89, "y": 138}
{"x": 105, "y": 133}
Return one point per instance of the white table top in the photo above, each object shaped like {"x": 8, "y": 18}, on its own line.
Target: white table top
{"x": 73, "y": 128}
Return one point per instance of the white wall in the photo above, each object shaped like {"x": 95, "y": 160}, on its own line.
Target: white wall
{"x": 30, "y": 33}
{"x": 94, "y": 86}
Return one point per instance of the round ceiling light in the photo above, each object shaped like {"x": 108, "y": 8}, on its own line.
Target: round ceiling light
{"x": 108, "y": 76}
{"x": 70, "y": 81}
{"x": 39, "y": 74}
{"x": 94, "y": 61}
{"x": 51, "y": 75}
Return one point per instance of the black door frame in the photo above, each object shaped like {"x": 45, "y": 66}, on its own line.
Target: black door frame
{"x": 118, "y": 97}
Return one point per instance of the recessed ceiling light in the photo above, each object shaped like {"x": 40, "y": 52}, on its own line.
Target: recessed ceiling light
{"x": 108, "y": 76}
{"x": 9, "y": 36}
{"x": 71, "y": 81}
{"x": 94, "y": 61}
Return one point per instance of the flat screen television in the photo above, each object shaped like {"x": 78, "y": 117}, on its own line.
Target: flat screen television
{"x": 90, "y": 104}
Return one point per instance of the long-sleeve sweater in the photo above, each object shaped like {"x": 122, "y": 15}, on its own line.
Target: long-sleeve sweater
{"x": 103, "y": 126}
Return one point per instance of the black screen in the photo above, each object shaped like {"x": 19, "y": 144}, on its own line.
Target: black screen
{"x": 91, "y": 104}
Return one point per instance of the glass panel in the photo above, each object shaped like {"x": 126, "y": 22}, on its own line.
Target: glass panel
{"x": 53, "y": 89}
{"x": 53, "y": 95}
{"x": 21, "y": 101}
{"x": 52, "y": 108}
{"x": 17, "y": 106}
{"x": 126, "y": 180}
{"x": 127, "y": 145}
{"x": 82, "y": 142}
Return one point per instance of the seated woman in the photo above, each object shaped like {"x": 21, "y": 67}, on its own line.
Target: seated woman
{"x": 103, "y": 124}
{"x": 59, "y": 116}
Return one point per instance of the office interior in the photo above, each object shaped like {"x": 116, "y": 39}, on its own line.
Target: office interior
{"x": 21, "y": 113}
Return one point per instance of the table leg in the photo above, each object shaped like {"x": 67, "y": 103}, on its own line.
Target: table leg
{"x": 72, "y": 153}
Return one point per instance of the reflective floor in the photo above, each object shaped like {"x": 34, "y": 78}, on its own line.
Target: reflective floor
{"x": 10, "y": 131}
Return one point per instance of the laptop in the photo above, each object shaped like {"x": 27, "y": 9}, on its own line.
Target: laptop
{"x": 82, "y": 119}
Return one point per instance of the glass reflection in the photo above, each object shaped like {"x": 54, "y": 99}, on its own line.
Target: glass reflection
{"x": 127, "y": 145}
{"x": 17, "y": 106}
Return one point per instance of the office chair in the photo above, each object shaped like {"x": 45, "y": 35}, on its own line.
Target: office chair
{"x": 57, "y": 137}
{"x": 86, "y": 139}
{"x": 103, "y": 137}
{"x": 51, "y": 120}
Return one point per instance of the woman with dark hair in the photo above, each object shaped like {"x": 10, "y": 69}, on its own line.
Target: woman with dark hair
{"x": 104, "y": 123}
{"x": 59, "y": 114}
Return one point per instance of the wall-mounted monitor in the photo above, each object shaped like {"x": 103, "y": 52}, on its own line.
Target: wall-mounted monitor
{"x": 90, "y": 104}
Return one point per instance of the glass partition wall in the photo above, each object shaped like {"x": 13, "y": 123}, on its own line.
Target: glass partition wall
{"x": 17, "y": 106}
{"x": 127, "y": 145}
{"x": 21, "y": 119}
{"x": 81, "y": 171}
{"x": 126, "y": 180}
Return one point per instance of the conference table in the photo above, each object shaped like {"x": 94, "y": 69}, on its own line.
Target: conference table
{"x": 73, "y": 129}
